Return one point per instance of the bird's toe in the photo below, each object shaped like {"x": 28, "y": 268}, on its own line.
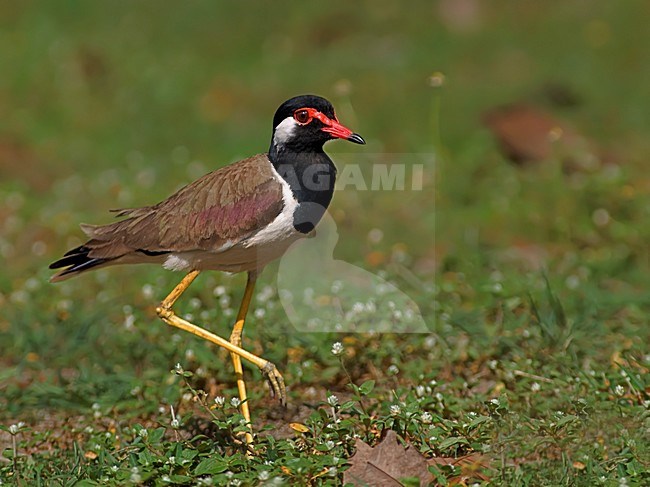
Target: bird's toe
{"x": 276, "y": 382}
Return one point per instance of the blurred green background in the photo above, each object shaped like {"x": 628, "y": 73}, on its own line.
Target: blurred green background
{"x": 108, "y": 105}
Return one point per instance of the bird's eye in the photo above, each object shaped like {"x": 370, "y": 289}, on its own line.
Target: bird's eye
{"x": 302, "y": 116}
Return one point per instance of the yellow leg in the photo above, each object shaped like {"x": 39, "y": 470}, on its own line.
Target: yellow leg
{"x": 235, "y": 339}
{"x": 165, "y": 312}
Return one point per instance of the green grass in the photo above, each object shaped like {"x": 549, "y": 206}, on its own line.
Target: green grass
{"x": 537, "y": 355}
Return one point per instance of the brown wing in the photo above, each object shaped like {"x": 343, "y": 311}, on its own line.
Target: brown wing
{"x": 224, "y": 206}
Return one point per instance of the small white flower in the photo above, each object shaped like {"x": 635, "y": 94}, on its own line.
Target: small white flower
{"x": 619, "y": 390}
{"x": 135, "y": 475}
{"x": 330, "y": 444}
{"x": 171, "y": 459}
{"x": 426, "y": 417}
{"x": 395, "y": 409}
{"x": 265, "y": 294}
{"x": 143, "y": 433}
{"x": 178, "y": 368}
{"x": 393, "y": 369}
{"x": 492, "y": 364}
{"x": 332, "y": 471}
{"x": 420, "y": 390}
{"x": 535, "y": 387}
{"x": 165, "y": 478}
{"x": 13, "y": 429}
{"x": 332, "y": 400}
{"x": 337, "y": 349}
{"x": 129, "y": 321}
{"x": 147, "y": 291}
{"x": 175, "y": 424}
{"x": 220, "y": 401}
{"x": 263, "y": 475}
{"x": 494, "y": 401}
{"x": 115, "y": 468}
{"x": 219, "y": 290}
{"x": 235, "y": 402}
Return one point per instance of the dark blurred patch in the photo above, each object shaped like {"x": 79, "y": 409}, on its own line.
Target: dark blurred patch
{"x": 19, "y": 162}
{"x": 560, "y": 95}
{"x": 525, "y": 133}
{"x": 528, "y": 134}
{"x": 93, "y": 65}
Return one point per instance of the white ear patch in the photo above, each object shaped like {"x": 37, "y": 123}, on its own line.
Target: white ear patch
{"x": 284, "y": 131}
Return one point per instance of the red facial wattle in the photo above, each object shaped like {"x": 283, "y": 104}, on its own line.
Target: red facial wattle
{"x": 331, "y": 126}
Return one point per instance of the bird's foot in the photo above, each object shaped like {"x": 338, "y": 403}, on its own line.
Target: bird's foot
{"x": 276, "y": 382}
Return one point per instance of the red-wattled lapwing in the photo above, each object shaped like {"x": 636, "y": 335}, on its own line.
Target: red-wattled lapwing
{"x": 237, "y": 218}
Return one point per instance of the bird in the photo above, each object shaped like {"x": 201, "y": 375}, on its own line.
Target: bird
{"x": 235, "y": 219}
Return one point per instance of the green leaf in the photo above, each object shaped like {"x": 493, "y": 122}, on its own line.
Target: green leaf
{"x": 156, "y": 435}
{"x": 211, "y": 466}
{"x": 569, "y": 418}
{"x": 367, "y": 387}
{"x": 479, "y": 420}
{"x": 180, "y": 479}
{"x": 449, "y": 442}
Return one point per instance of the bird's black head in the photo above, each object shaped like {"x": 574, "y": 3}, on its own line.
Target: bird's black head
{"x": 304, "y": 123}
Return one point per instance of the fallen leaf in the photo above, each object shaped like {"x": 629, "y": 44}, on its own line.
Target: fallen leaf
{"x": 299, "y": 427}
{"x": 470, "y": 467}
{"x": 387, "y": 463}
{"x": 529, "y": 134}
{"x": 390, "y": 462}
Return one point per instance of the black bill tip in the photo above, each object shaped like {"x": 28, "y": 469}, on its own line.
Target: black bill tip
{"x": 357, "y": 139}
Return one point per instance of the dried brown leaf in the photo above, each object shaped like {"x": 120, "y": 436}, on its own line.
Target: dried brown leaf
{"x": 387, "y": 463}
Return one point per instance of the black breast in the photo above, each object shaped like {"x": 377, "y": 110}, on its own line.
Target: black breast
{"x": 311, "y": 177}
